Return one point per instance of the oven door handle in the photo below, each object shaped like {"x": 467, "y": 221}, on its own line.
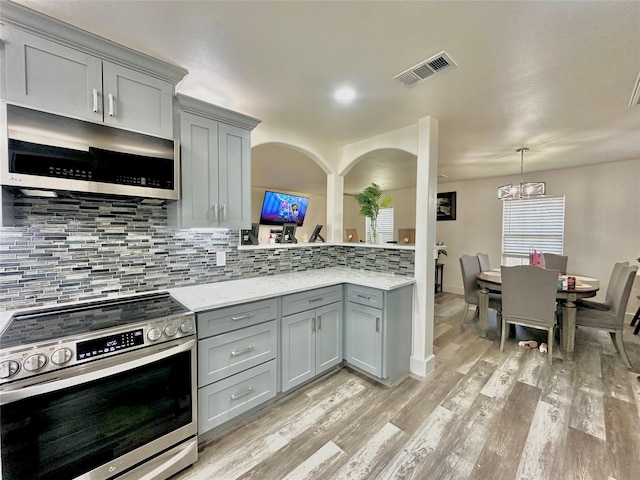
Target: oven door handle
{"x": 68, "y": 378}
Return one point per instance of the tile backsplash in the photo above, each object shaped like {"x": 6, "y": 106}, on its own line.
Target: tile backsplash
{"x": 80, "y": 248}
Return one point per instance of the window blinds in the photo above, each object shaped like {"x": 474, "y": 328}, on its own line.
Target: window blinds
{"x": 534, "y": 223}
{"x": 385, "y": 225}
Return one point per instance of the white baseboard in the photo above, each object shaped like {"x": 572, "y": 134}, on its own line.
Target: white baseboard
{"x": 422, "y": 367}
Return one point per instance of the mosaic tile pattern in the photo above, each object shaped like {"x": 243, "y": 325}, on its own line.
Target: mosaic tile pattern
{"x": 69, "y": 249}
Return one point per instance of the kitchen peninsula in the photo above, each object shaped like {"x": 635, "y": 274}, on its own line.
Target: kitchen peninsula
{"x": 260, "y": 337}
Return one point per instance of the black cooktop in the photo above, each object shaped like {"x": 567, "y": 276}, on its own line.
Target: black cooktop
{"x": 59, "y": 322}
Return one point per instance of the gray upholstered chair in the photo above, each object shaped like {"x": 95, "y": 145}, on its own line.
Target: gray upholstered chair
{"x": 470, "y": 267}
{"x": 485, "y": 264}
{"x": 635, "y": 319}
{"x": 612, "y": 320}
{"x": 606, "y": 305}
{"x": 529, "y": 299}
{"x": 556, "y": 262}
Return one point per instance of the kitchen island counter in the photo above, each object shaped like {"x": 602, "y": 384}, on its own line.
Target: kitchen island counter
{"x": 199, "y": 298}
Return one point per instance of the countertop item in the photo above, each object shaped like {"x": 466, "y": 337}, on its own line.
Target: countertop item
{"x": 199, "y": 298}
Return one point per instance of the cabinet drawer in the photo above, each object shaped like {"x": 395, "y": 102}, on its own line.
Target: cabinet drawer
{"x": 227, "y": 319}
{"x": 227, "y": 354}
{"x": 370, "y": 297}
{"x": 299, "y": 302}
{"x": 223, "y": 400}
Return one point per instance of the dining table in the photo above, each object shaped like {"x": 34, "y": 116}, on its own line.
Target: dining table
{"x": 585, "y": 287}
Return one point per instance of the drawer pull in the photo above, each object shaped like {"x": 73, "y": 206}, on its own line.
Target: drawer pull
{"x": 366, "y": 297}
{"x": 235, "y": 396}
{"x": 318, "y": 299}
{"x": 235, "y": 353}
{"x": 242, "y": 317}
{"x": 377, "y": 324}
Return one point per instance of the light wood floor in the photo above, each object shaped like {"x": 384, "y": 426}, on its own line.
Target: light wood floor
{"x": 482, "y": 414}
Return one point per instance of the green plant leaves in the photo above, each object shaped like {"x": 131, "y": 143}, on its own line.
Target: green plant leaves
{"x": 370, "y": 203}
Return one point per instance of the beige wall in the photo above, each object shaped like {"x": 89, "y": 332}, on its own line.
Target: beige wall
{"x": 404, "y": 211}
{"x": 316, "y": 214}
{"x": 602, "y": 220}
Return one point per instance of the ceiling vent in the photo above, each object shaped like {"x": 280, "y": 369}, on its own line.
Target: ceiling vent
{"x": 635, "y": 95}
{"x": 425, "y": 69}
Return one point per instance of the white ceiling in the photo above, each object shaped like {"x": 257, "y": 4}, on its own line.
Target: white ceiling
{"x": 554, "y": 76}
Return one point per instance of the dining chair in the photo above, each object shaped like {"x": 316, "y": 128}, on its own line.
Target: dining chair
{"x": 556, "y": 262}
{"x": 485, "y": 264}
{"x": 612, "y": 320}
{"x": 634, "y": 320}
{"x": 529, "y": 299}
{"x": 606, "y": 305}
{"x": 470, "y": 267}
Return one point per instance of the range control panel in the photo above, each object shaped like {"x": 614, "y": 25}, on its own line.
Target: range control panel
{"x": 26, "y": 361}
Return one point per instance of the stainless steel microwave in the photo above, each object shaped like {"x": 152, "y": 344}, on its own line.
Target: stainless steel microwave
{"x": 49, "y": 152}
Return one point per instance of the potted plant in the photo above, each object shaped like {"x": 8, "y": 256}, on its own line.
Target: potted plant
{"x": 441, "y": 249}
{"x": 371, "y": 201}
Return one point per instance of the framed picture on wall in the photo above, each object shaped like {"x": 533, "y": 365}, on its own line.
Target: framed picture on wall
{"x": 446, "y": 206}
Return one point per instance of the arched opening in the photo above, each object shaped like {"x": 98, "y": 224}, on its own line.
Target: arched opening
{"x": 395, "y": 171}
{"x": 282, "y": 168}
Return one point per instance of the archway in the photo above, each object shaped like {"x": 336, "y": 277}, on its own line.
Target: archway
{"x": 284, "y": 168}
{"x": 395, "y": 171}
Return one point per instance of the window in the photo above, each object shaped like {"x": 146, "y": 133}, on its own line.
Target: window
{"x": 385, "y": 225}
{"x": 534, "y": 223}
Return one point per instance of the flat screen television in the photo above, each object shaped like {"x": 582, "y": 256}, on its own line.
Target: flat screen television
{"x": 280, "y": 208}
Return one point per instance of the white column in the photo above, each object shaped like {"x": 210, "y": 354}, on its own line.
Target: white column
{"x": 335, "y": 196}
{"x": 422, "y": 358}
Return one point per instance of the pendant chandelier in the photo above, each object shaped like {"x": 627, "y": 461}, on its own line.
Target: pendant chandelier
{"x": 524, "y": 189}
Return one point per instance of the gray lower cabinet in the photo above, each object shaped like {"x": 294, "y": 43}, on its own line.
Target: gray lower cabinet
{"x": 53, "y": 77}
{"x": 237, "y": 361}
{"x": 311, "y": 339}
{"x": 378, "y": 331}
{"x": 216, "y": 167}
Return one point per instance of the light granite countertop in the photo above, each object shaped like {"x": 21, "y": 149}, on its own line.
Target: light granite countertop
{"x": 199, "y": 298}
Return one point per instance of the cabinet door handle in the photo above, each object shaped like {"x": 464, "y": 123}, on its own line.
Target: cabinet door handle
{"x": 312, "y": 300}
{"x": 313, "y": 324}
{"x": 319, "y": 322}
{"x": 224, "y": 213}
{"x": 111, "y": 104}
{"x": 236, "y": 353}
{"x": 377, "y": 324}
{"x": 235, "y": 396}
{"x": 95, "y": 100}
{"x": 363, "y": 296}
{"x": 242, "y": 317}
{"x": 214, "y": 209}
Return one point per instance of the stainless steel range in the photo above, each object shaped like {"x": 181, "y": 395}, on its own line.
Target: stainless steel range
{"x": 99, "y": 390}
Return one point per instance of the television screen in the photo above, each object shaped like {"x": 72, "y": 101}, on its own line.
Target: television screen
{"x": 280, "y": 208}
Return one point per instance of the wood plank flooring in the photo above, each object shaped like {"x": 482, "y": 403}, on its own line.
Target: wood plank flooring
{"x": 482, "y": 414}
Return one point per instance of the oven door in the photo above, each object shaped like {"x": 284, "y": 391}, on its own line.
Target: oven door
{"x": 100, "y": 419}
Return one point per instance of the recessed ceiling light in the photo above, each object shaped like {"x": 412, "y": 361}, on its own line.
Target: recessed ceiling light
{"x": 345, "y": 94}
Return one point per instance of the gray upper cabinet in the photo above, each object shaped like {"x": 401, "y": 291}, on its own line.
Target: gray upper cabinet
{"x": 51, "y": 77}
{"x": 137, "y": 101}
{"x": 216, "y": 167}
{"x": 58, "y": 68}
